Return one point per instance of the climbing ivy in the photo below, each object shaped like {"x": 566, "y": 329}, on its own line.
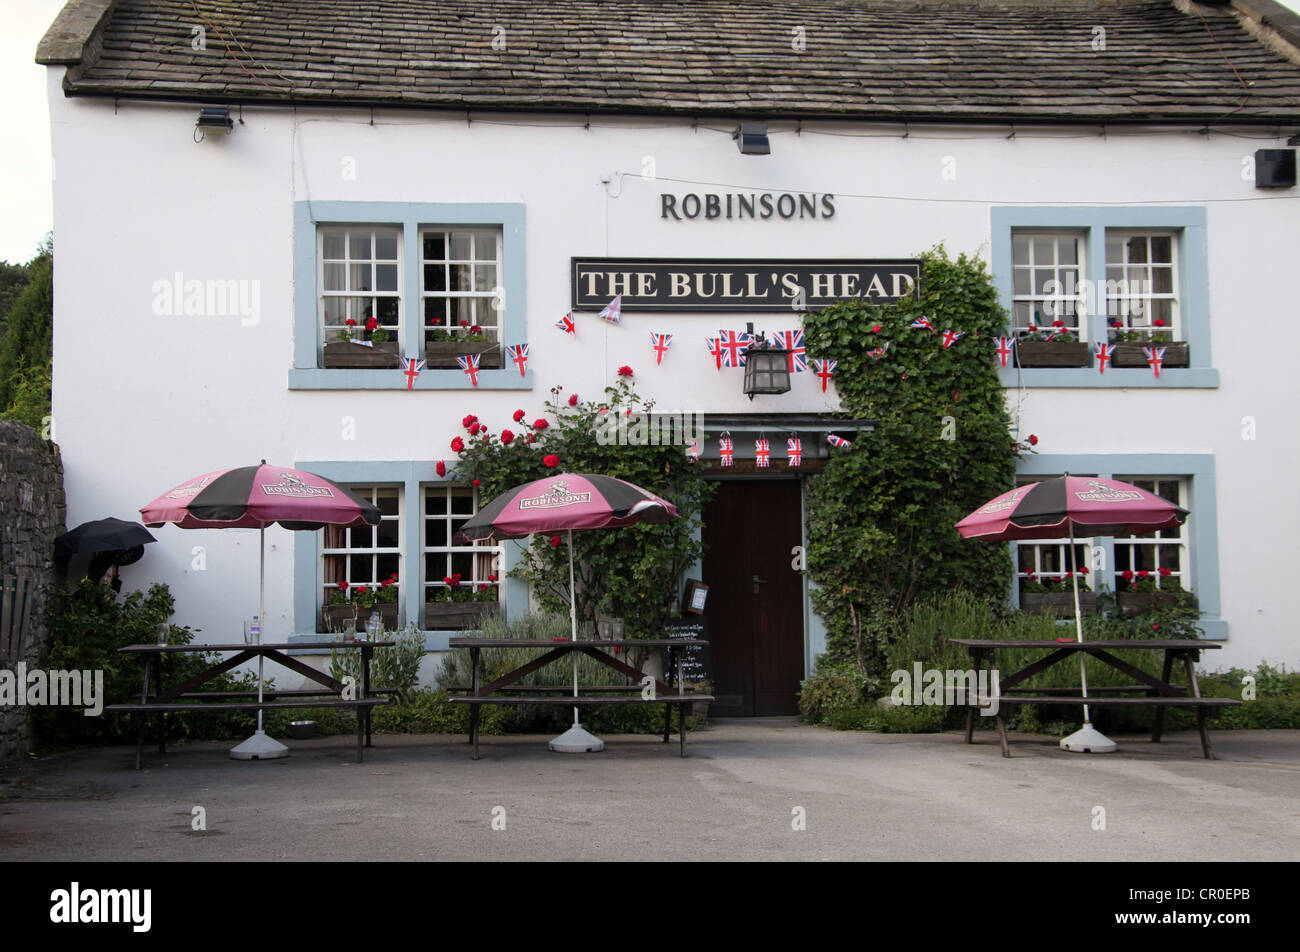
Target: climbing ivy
{"x": 881, "y": 515}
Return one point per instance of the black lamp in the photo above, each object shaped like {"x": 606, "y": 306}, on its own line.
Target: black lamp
{"x": 767, "y": 368}
{"x": 215, "y": 119}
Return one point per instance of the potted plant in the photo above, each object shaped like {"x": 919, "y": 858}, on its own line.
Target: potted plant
{"x": 1143, "y": 591}
{"x": 1129, "y": 345}
{"x": 340, "y": 614}
{"x": 1054, "y": 594}
{"x": 1054, "y": 347}
{"x": 375, "y": 349}
{"x": 444, "y": 344}
{"x": 459, "y": 604}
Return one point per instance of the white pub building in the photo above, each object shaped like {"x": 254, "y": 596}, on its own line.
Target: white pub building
{"x": 237, "y": 180}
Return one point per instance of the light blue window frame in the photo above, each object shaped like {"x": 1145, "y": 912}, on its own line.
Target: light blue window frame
{"x": 306, "y": 374}
{"x": 1202, "y": 525}
{"x": 411, "y": 476}
{"x": 1193, "y": 288}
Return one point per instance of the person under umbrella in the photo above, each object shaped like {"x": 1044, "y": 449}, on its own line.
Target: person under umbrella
{"x": 562, "y": 503}
{"x": 1069, "y": 505}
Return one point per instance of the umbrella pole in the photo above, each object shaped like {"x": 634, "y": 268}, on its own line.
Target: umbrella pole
{"x": 575, "y": 740}
{"x": 1087, "y": 739}
{"x": 1078, "y": 623}
{"x": 261, "y": 612}
{"x": 573, "y": 624}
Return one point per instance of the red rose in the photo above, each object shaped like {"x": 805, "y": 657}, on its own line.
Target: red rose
{"x": 1083, "y": 570}
{"x": 1033, "y": 440}
{"x": 473, "y": 429}
{"x": 350, "y": 322}
{"x": 1165, "y": 571}
{"x": 469, "y": 421}
{"x": 448, "y": 580}
{"x": 519, "y": 415}
{"x": 474, "y": 482}
{"x": 1155, "y": 627}
{"x": 476, "y": 329}
{"x": 540, "y": 424}
{"x": 492, "y": 578}
{"x": 531, "y": 437}
{"x": 464, "y": 322}
{"x": 555, "y": 542}
{"x": 876, "y": 329}
{"x": 507, "y": 437}
{"x": 551, "y": 460}
{"x": 457, "y": 444}
{"x": 1143, "y": 574}
{"x": 625, "y": 371}
{"x": 573, "y": 399}
{"x": 1127, "y": 573}
{"x": 482, "y": 586}
{"x": 441, "y": 468}
{"x": 371, "y": 324}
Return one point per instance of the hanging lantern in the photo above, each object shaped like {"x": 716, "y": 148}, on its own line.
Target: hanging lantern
{"x": 767, "y": 368}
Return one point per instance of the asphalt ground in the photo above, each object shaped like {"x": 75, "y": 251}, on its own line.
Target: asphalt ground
{"x": 761, "y": 790}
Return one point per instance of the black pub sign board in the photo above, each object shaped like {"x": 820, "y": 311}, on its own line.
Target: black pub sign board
{"x": 739, "y": 284}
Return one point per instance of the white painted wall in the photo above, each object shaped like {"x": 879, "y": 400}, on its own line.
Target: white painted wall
{"x": 143, "y": 402}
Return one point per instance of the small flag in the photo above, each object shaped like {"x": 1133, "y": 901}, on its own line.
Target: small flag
{"x": 733, "y": 347}
{"x": 660, "y": 344}
{"x": 1004, "y": 345}
{"x": 566, "y": 324}
{"x": 725, "y": 449}
{"x": 951, "y": 337}
{"x": 1155, "y": 357}
{"x": 613, "y": 311}
{"x": 825, "y": 369}
{"x": 411, "y": 366}
{"x": 519, "y": 354}
{"x": 1103, "y": 353}
{"x": 693, "y": 450}
{"x": 838, "y": 441}
{"x": 793, "y": 342}
{"x": 879, "y": 351}
{"x": 794, "y": 452}
{"x": 470, "y": 366}
{"x": 715, "y": 349}
{"x": 922, "y": 322}
{"x": 762, "y": 453}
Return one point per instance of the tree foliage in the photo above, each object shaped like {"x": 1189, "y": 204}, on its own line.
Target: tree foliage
{"x": 26, "y": 348}
{"x": 881, "y": 515}
{"x": 629, "y": 573}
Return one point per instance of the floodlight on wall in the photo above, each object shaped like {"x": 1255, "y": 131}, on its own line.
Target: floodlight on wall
{"x": 1275, "y": 168}
{"x": 752, "y": 138}
{"x": 214, "y": 120}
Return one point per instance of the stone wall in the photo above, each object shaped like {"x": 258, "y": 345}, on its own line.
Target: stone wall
{"x": 32, "y": 513}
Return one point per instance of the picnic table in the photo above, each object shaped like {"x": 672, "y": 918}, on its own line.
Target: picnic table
{"x": 186, "y": 696}
{"x": 667, "y": 694}
{"x": 1160, "y": 692}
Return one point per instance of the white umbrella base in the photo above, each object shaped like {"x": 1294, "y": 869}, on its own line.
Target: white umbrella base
{"x": 576, "y": 741}
{"x": 1088, "y": 740}
{"x": 259, "y": 747}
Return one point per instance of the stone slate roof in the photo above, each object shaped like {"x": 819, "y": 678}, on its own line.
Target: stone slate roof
{"x": 868, "y": 59}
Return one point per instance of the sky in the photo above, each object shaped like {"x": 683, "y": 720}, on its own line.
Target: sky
{"x": 25, "y": 206}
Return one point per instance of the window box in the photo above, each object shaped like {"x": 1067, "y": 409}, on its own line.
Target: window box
{"x": 1060, "y": 604}
{"x": 1130, "y": 354}
{"x": 442, "y": 354}
{"x": 1041, "y": 353}
{"x": 342, "y": 354}
{"x": 447, "y": 615}
{"x": 1139, "y": 603}
{"x": 340, "y": 618}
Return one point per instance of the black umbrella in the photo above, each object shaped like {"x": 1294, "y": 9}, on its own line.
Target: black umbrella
{"x": 102, "y": 535}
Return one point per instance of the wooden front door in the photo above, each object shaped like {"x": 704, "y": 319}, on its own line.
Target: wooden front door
{"x": 755, "y": 604}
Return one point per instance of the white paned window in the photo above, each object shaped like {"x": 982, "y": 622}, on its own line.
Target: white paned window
{"x": 1141, "y": 285}
{"x": 1162, "y": 555}
{"x": 461, "y": 281}
{"x": 1046, "y": 282}
{"x": 446, "y": 509}
{"x": 367, "y": 555}
{"x": 360, "y": 279}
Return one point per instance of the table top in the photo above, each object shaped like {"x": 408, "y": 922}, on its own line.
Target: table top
{"x": 1073, "y": 645}
{"x": 255, "y": 649}
{"x": 568, "y": 643}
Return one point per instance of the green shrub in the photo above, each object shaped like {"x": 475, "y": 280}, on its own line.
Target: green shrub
{"x": 832, "y": 689}
{"x": 396, "y": 668}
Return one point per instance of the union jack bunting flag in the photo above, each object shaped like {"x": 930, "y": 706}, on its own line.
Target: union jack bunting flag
{"x": 922, "y": 321}
{"x": 519, "y": 354}
{"x": 762, "y": 453}
{"x": 566, "y": 324}
{"x": 715, "y": 349}
{"x": 1155, "y": 357}
{"x": 470, "y": 366}
{"x": 693, "y": 450}
{"x": 1004, "y": 345}
{"x": 613, "y": 311}
{"x": 734, "y": 346}
{"x": 1103, "y": 352}
{"x": 660, "y": 344}
{"x": 794, "y": 452}
{"x": 793, "y": 342}
{"x": 951, "y": 337}
{"x": 879, "y": 351}
{"x": 412, "y": 366}
{"x": 725, "y": 448}
{"x": 824, "y": 369}
{"x": 838, "y": 441}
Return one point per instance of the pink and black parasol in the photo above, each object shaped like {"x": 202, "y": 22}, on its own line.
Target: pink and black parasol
{"x": 1077, "y": 505}
{"x": 567, "y": 501}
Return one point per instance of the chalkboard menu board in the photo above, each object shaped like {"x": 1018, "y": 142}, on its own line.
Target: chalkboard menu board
{"x": 697, "y": 660}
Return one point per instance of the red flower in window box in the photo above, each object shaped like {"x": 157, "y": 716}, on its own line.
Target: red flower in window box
{"x": 551, "y": 460}
{"x": 457, "y": 444}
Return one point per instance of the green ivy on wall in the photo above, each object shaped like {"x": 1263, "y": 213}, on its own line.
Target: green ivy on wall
{"x": 881, "y": 515}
